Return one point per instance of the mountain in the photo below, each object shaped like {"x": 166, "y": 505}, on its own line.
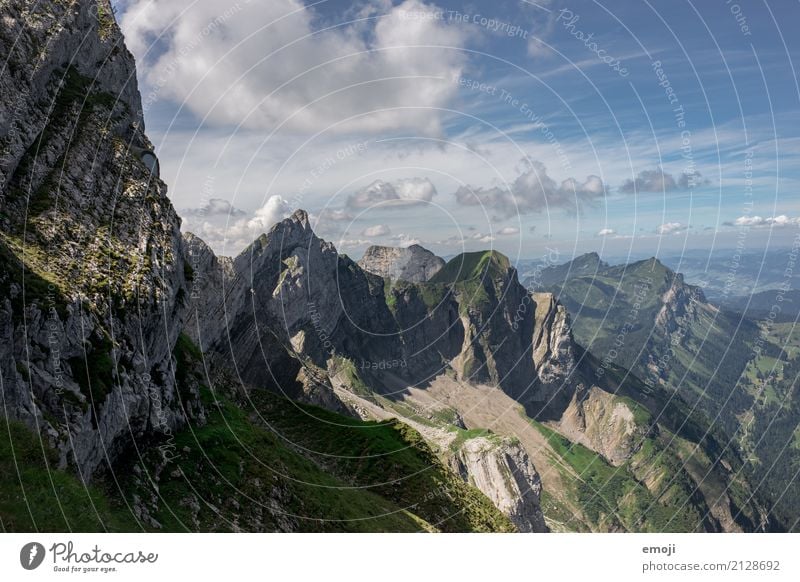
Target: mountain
{"x": 780, "y": 305}
{"x": 93, "y": 281}
{"x": 551, "y": 275}
{"x": 487, "y": 373}
{"x": 646, "y": 318}
{"x": 412, "y": 263}
{"x": 110, "y": 413}
{"x": 726, "y": 273}
{"x": 737, "y": 372}
{"x": 150, "y": 385}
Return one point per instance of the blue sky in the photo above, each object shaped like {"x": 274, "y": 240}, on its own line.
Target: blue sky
{"x": 621, "y": 127}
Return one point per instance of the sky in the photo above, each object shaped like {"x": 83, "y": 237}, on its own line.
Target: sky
{"x": 624, "y": 128}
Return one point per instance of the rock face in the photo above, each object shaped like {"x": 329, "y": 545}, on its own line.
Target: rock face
{"x": 294, "y": 308}
{"x": 414, "y": 263}
{"x": 603, "y": 423}
{"x": 92, "y": 290}
{"x": 501, "y": 469}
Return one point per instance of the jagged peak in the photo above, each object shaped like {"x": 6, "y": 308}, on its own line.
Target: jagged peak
{"x": 300, "y": 216}
{"x": 295, "y": 227}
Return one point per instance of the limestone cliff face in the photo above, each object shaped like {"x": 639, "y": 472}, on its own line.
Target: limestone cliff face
{"x": 92, "y": 289}
{"x": 680, "y": 301}
{"x": 414, "y": 263}
{"x": 603, "y": 423}
{"x": 502, "y": 470}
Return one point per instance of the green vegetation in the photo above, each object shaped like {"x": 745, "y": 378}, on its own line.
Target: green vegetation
{"x": 388, "y": 458}
{"x": 477, "y": 265}
{"x": 105, "y": 19}
{"x": 280, "y": 467}
{"x": 701, "y": 356}
{"x": 38, "y": 284}
{"x": 615, "y": 497}
{"x": 187, "y": 357}
{"x": 35, "y": 496}
{"x": 464, "y": 435}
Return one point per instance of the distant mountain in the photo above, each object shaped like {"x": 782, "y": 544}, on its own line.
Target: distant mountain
{"x": 778, "y": 305}
{"x": 553, "y": 275}
{"x": 644, "y": 317}
{"x": 739, "y": 372}
{"x": 725, "y": 273}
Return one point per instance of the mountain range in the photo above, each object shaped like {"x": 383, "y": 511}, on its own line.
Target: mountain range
{"x": 150, "y": 385}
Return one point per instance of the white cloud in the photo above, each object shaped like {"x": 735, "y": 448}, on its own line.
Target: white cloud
{"x": 403, "y": 240}
{"x": 406, "y": 191}
{"x": 508, "y": 231}
{"x": 230, "y": 237}
{"x": 377, "y": 230}
{"x": 274, "y": 210}
{"x": 671, "y": 228}
{"x": 263, "y": 63}
{"x": 606, "y": 232}
{"x": 758, "y": 221}
{"x": 214, "y": 207}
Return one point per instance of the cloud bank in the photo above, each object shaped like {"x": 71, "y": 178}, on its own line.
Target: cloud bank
{"x": 533, "y": 191}
{"x": 277, "y": 63}
{"x": 659, "y": 181}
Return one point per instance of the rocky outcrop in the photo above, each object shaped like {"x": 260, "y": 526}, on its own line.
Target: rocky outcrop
{"x": 680, "y": 301}
{"x": 502, "y": 470}
{"x": 92, "y": 290}
{"x": 413, "y": 263}
{"x": 209, "y": 279}
{"x": 603, "y": 423}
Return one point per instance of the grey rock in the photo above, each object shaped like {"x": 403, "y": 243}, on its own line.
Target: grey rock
{"x": 502, "y": 470}
{"x": 86, "y": 356}
{"x": 413, "y": 263}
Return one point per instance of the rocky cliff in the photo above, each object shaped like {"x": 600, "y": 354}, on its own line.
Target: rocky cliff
{"x": 502, "y": 470}
{"x": 413, "y": 263}
{"x": 93, "y": 277}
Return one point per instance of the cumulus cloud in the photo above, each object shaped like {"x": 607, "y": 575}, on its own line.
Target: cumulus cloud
{"x": 671, "y": 228}
{"x": 533, "y": 191}
{"x": 214, "y": 207}
{"x": 403, "y": 240}
{"x": 758, "y": 221}
{"x": 403, "y": 192}
{"x": 352, "y": 243}
{"x": 265, "y": 63}
{"x": 606, "y": 232}
{"x": 377, "y": 230}
{"x": 508, "y": 231}
{"x": 231, "y": 236}
{"x": 660, "y": 181}
{"x": 274, "y": 210}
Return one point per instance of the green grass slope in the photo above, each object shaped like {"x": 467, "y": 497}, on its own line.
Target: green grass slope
{"x": 260, "y": 464}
